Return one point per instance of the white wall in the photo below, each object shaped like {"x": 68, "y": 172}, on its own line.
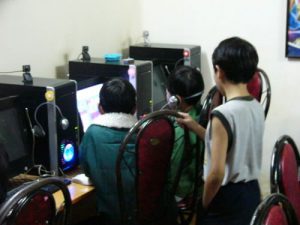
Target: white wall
{"x": 48, "y": 33}
{"x": 263, "y": 23}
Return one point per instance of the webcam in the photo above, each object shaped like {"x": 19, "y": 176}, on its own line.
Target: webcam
{"x": 85, "y": 54}
{"x": 27, "y": 78}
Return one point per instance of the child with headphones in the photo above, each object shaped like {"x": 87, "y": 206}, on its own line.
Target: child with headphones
{"x": 185, "y": 84}
{"x": 100, "y": 145}
{"x": 233, "y": 138}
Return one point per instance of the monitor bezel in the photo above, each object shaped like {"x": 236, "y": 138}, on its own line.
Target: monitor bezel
{"x": 23, "y": 163}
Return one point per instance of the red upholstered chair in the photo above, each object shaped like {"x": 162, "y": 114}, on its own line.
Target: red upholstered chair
{"x": 259, "y": 87}
{"x": 154, "y": 145}
{"x": 275, "y": 209}
{"x": 285, "y": 165}
{"x": 33, "y": 205}
{"x": 213, "y": 99}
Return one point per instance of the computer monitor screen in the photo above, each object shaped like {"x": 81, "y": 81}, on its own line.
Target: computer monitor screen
{"x": 159, "y": 87}
{"x": 15, "y": 135}
{"x": 87, "y": 103}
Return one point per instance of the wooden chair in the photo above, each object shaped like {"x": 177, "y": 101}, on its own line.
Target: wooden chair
{"x": 285, "y": 165}
{"x": 154, "y": 145}
{"x": 275, "y": 209}
{"x": 34, "y": 205}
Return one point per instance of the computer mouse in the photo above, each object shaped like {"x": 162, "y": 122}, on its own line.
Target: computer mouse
{"x": 82, "y": 179}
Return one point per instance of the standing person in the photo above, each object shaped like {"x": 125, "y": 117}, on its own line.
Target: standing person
{"x": 233, "y": 139}
{"x": 100, "y": 147}
{"x": 187, "y": 85}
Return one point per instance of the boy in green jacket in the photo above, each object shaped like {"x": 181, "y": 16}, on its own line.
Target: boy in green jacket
{"x": 100, "y": 145}
{"x": 186, "y": 84}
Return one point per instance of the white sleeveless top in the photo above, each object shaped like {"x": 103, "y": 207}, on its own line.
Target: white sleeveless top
{"x": 243, "y": 119}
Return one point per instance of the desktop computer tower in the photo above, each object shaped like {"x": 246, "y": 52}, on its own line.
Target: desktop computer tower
{"x": 138, "y": 73}
{"x": 165, "y": 58}
{"x": 48, "y": 103}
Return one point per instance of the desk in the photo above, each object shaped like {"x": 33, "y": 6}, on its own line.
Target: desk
{"x": 82, "y": 197}
{"x": 77, "y": 192}
{"x": 83, "y": 202}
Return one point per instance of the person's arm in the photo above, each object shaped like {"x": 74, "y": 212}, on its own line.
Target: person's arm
{"x": 191, "y": 124}
{"x": 218, "y": 158}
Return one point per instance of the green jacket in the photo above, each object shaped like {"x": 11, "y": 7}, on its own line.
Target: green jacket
{"x": 187, "y": 178}
{"x": 98, "y": 153}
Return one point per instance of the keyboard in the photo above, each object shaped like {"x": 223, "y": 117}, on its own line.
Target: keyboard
{"x": 50, "y": 188}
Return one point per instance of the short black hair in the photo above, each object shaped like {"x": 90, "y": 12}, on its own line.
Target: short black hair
{"x": 186, "y": 81}
{"x": 117, "y": 95}
{"x": 237, "y": 58}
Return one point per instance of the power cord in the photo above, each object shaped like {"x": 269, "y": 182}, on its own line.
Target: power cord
{"x": 41, "y": 170}
{"x": 17, "y": 71}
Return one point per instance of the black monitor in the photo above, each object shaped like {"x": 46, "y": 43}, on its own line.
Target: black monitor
{"x": 138, "y": 73}
{"x": 15, "y": 135}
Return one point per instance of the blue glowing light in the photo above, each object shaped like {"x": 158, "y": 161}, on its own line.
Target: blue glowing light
{"x": 68, "y": 152}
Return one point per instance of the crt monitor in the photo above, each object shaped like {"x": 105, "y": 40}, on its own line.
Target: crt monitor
{"x": 15, "y": 135}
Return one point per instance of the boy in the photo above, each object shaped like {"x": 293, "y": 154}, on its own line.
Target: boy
{"x": 187, "y": 85}
{"x": 233, "y": 139}
{"x": 100, "y": 145}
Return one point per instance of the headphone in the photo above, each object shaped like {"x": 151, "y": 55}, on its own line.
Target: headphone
{"x": 38, "y": 130}
{"x": 174, "y": 100}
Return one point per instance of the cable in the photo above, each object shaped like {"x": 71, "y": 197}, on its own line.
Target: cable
{"x": 17, "y": 71}
{"x": 64, "y": 121}
{"x": 177, "y": 62}
{"x": 79, "y": 56}
{"x": 33, "y": 136}
{"x": 41, "y": 170}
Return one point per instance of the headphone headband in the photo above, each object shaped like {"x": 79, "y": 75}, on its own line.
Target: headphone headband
{"x": 197, "y": 94}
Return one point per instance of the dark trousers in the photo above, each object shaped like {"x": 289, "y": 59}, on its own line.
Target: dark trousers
{"x": 234, "y": 204}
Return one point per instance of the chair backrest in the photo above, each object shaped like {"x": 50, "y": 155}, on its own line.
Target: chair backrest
{"x": 213, "y": 99}
{"x": 275, "y": 209}
{"x": 285, "y": 164}
{"x": 259, "y": 87}
{"x": 34, "y": 205}
{"x": 154, "y": 145}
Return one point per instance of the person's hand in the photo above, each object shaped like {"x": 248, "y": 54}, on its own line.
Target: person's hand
{"x": 187, "y": 120}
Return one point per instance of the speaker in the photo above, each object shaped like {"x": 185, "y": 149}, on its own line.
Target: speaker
{"x": 52, "y": 109}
